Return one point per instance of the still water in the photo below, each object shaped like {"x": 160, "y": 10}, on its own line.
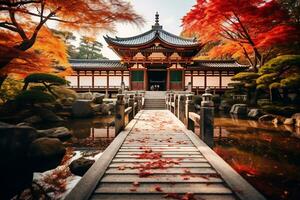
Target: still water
{"x": 90, "y": 137}
{"x": 265, "y": 155}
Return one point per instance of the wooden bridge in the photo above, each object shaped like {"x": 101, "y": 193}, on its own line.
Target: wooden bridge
{"x": 157, "y": 157}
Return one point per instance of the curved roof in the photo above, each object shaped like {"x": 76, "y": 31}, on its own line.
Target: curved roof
{"x": 156, "y": 32}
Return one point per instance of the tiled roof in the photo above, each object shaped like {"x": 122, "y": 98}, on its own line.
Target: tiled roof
{"x": 97, "y": 64}
{"x": 149, "y": 36}
{"x": 217, "y": 64}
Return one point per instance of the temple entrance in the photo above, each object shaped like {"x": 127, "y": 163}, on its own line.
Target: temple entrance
{"x": 157, "y": 80}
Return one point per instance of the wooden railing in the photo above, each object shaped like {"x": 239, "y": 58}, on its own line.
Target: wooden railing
{"x": 135, "y": 104}
{"x": 182, "y": 106}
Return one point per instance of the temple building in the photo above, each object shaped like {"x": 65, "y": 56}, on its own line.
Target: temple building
{"x": 154, "y": 60}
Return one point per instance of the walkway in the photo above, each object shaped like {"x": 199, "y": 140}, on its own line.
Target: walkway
{"x": 156, "y": 157}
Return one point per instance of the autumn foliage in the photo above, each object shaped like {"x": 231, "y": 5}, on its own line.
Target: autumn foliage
{"x": 28, "y": 45}
{"x": 243, "y": 28}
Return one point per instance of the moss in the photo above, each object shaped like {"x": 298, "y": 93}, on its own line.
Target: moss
{"x": 245, "y": 76}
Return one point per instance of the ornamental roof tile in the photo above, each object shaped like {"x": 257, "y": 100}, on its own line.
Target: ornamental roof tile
{"x": 217, "y": 64}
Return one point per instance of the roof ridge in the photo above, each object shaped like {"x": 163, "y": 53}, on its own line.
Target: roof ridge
{"x": 133, "y": 37}
{"x": 179, "y": 37}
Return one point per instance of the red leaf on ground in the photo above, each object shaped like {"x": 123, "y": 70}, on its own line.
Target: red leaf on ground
{"x": 145, "y": 174}
{"x": 172, "y": 195}
{"x": 135, "y": 183}
{"x": 158, "y": 188}
{"x": 133, "y": 189}
{"x": 121, "y": 168}
{"x": 188, "y": 196}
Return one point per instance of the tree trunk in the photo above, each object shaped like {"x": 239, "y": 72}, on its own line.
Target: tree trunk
{"x": 2, "y": 79}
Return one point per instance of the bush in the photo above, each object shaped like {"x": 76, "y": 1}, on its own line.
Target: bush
{"x": 33, "y": 97}
{"x": 10, "y": 89}
{"x": 64, "y": 92}
{"x": 286, "y": 111}
{"x": 42, "y": 77}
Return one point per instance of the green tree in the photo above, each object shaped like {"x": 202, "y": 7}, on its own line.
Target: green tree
{"x": 47, "y": 80}
{"x": 281, "y": 75}
{"x": 246, "y": 83}
{"x": 68, "y": 38}
{"x": 89, "y": 48}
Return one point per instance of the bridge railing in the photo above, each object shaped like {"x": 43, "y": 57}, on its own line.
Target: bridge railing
{"x": 182, "y": 106}
{"x": 121, "y": 111}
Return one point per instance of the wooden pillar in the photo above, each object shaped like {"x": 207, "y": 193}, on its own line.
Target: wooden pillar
{"x": 168, "y": 79}
{"x": 205, "y": 79}
{"x": 107, "y": 83}
{"x": 220, "y": 79}
{"x": 78, "y": 79}
{"x": 130, "y": 85}
{"x": 93, "y": 79}
{"x": 183, "y": 79}
{"x": 122, "y": 76}
{"x": 192, "y": 79}
{"x": 145, "y": 79}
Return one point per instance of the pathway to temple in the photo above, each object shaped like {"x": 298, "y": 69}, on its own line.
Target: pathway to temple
{"x": 156, "y": 157}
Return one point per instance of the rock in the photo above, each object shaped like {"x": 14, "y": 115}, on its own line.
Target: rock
{"x": 67, "y": 101}
{"x": 97, "y": 107}
{"x": 80, "y": 166}
{"x": 82, "y": 108}
{"x": 33, "y": 119}
{"x": 98, "y": 98}
{"x": 254, "y": 113}
{"x": 105, "y": 109}
{"x": 239, "y": 109}
{"x": 15, "y": 170}
{"x": 224, "y": 106}
{"x": 46, "y": 154}
{"x": 266, "y": 118}
{"x": 62, "y": 133}
{"x": 85, "y": 96}
{"x": 288, "y": 121}
{"x": 48, "y": 115}
{"x": 296, "y": 117}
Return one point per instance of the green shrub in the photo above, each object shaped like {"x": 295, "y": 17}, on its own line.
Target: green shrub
{"x": 47, "y": 78}
{"x": 34, "y": 96}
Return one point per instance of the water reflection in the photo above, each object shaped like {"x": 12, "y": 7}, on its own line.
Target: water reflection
{"x": 267, "y": 156}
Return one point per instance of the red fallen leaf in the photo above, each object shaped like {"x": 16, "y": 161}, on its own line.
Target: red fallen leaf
{"x": 172, "y": 195}
{"x": 158, "y": 188}
{"x": 121, "y": 167}
{"x": 148, "y": 151}
{"x": 135, "y": 183}
{"x": 145, "y": 174}
{"x": 186, "y": 171}
{"x": 133, "y": 189}
{"x": 188, "y": 196}
{"x": 149, "y": 156}
{"x": 186, "y": 178}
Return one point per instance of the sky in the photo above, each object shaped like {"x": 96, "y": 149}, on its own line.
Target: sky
{"x": 170, "y": 11}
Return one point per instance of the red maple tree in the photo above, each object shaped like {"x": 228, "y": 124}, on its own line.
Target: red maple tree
{"x": 28, "y": 45}
{"x": 246, "y": 27}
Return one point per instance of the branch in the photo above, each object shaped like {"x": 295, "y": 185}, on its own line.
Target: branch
{"x": 8, "y": 26}
{"x": 9, "y": 3}
{"x": 18, "y": 27}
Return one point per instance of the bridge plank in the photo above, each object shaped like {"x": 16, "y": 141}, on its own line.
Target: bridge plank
{"x": 196, "y": 188}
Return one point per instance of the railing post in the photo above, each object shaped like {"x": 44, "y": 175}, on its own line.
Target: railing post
{"x": 181, "y": 107}
{"x": 136, "y": 100}
{"x": 176, "y": 105}
{"x": 171, "y": 102}
{"x": 167, "y": 101}
{"x": 140, "y": 102}
{"x": 131, "y": 104}
{"x": 207, "y": 118}
{"x": 189, "y": 107}
{"x": 120, "y": 114}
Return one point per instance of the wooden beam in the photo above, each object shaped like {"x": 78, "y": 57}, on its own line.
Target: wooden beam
{"x": 107, "y": 83}
{"x": 205, "y": 79}
{"x": 93, "y": 79}
{"x": 168, "y": 79}
{"x": 220, "y": 79}
{"x": 192, "y": 79}
{"x": 78, "y": 79}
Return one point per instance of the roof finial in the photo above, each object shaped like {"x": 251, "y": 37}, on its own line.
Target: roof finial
{"x": 156, "y": 19}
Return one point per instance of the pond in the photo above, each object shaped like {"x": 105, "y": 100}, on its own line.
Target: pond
{"x": 90, "y": 138}
{"x": 266, "y": 156}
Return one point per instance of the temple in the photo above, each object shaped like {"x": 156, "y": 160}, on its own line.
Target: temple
{"x": 154, "y": 60}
